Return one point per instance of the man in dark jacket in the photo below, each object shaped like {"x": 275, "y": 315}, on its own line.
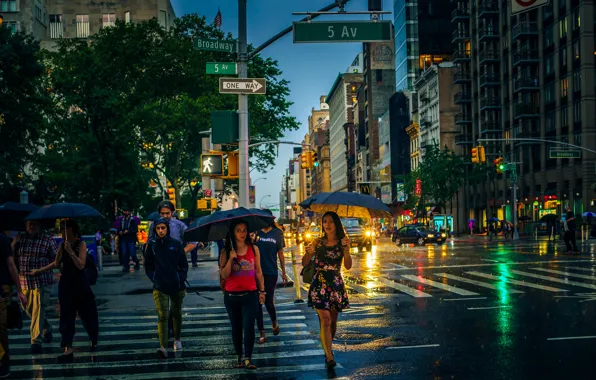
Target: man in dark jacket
{"x": 167, "y": 267}
{"x": 128, "y": 239}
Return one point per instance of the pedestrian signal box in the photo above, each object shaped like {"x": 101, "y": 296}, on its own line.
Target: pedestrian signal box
{"x": 212, "y": 164}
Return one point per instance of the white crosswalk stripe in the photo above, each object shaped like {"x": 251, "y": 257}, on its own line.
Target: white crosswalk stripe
{"x": 452, "y": 289}
{"x": 403, "y": 288}
{"x": 516, "y": 282}
{"x": 554, "y": 279}
{"x": 568, "y": 274}
{"x": 477, "y": 283}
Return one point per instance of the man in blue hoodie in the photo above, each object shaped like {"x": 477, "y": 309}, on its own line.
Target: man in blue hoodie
{"x": 167, "y": 267}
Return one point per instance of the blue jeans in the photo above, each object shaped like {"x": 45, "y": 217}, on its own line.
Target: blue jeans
{"x": 128, "y": 252}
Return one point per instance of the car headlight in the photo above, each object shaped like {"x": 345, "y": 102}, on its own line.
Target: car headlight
{"x": 308, "y": 236}
{"x": 443, "y": 235}
{"x": 430, "y": 235}
{"x": 368, "y": 233}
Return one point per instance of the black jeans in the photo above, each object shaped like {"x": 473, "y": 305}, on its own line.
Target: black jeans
{"x": 242, "y": 309}
{"x": 270, "y": 284}
{"x": 570, "y": 241}
{"x": 84, "y": 305}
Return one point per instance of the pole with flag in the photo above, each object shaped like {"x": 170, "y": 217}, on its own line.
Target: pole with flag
{"x": 218, "y": 19}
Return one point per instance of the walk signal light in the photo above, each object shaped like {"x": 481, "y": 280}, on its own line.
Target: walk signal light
{"x": 475, "y": 156}
{"x": 481, "y": 154}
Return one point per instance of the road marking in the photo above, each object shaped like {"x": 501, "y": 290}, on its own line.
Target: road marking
{"x": 452, "y": 289}
{"x": 583, "y": 269}
{"x": 553, "y": 279}
{"x": 574, "y": 337}
{"x": 515, "y": 282}
{"x": 583, "y": 276}
{"x": 222, "y": 321}
{"x": 403, "y": 288}
{"x": 408, "y": 347}
{"x": 492, "y": 261}
{"x": 464, "y": 299}
{"x": 212, "y": 361}
{"x": 489, "y": 307}
{"x": 399, "y": 266}
{"x": 489, "y": 265}
{"x": 477, "y": 283}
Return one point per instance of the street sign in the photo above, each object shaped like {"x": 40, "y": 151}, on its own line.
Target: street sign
{"x": 212, "y": 164}
{"x": 208, "y": 193}
{"x": 252, "y": 194}
{"x": 224, "y": 46}
{"x": 242, "y": 86}
{"x": 525, "y": 5}
{"x": 273, "y": 209}
{"x": 225, "y": 68}
{"x": 342, "y": 31}
{"x": 364, "y": 188}
{"x": 558, "y": 153}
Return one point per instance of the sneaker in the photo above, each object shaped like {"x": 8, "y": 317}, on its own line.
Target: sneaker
{"x": 36, "y": 348}
{"x": 162, "y": 353}
{"x": 177, "y": 345}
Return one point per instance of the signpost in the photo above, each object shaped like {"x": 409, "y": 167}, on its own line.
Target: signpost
{"x": 223, "y": 46}
{"x": 242, "y": 86}
{"x": 342, "y": 31}
{"x": 225, "y": 68}
{"x": 559, "y": 153}
{"x": 525, "y": 5}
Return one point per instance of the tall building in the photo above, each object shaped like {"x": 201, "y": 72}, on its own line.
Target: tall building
{"x": 341, "y": 98}
{"x": 399, "y": 144}
{"x": 422, "y": 37}
{"x": 305, "y": 174}
{"x": 49, "y": 20}
{"x": 318, "y": 125}
{"x": 529, "y": 75}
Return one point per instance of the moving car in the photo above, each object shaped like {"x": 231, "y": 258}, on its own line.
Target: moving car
{"x": 361, "y": 236}
{"x": 418, "y": 234}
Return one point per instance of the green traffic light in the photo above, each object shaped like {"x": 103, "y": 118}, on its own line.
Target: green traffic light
{"x": 501, "y": 167}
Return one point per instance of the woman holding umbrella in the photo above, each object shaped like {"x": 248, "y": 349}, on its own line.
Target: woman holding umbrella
{"x": 240, "y": 267}
{"x": 327, "y": 293}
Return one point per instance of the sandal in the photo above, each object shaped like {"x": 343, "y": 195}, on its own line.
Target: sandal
{"x": 330, "y": 364}
{"x": 276, "y": 329}
{"x": 262, "y": 340}
{"x": 239, "y": 364}
{"x": 249, "y": 365}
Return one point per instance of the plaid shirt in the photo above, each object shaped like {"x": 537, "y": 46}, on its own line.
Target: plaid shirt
{"x": 36, "y": 252}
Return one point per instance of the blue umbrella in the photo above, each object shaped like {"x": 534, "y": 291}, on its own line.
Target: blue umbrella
{"x": 216, "y": 226}
{"x": 347, "y": 205}
{"x": 588, "y": 214}
{"x": 12, "y": 215}
{"x": 493, "y": 220}
{"x": 63, "y": 211}
{"x": 153, "y": 216}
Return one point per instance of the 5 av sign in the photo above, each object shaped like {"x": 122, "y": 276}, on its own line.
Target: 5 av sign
{"x": 525, "y": 5}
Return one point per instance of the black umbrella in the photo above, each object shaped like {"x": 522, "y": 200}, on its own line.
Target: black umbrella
{"x": 216, "y": 226}
{"x": 348, "y": 205}
{"x": 63, "y": 211}
{"x": 12, "y": 215}
{"x": 524, "y": 218}
{"x": 549, "y": 218}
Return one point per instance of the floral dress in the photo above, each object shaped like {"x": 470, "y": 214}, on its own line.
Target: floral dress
{"x": 327, "y": 290}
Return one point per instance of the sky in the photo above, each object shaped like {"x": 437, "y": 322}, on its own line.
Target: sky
{"x": 311, "y": 69}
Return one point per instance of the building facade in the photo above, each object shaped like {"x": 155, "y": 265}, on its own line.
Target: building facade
{"x": 529, "y": 75}
{"x": 399, "y": 144}
{"x": 305, "y": 188}
{"x": 318, "y": 126}
{"x": 422, "y": 37}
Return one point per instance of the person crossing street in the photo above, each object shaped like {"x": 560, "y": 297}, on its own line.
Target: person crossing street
{"x": 128, "y": 238}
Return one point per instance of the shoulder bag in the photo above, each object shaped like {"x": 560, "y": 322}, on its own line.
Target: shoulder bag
{"x": 308, "y": 272}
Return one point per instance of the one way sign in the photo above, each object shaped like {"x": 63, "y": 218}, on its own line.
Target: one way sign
{"x": 242, "y": 86}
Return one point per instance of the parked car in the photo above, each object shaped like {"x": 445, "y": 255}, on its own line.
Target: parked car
{"x": 361, "y": 236}
{"x": 418, "y": 234}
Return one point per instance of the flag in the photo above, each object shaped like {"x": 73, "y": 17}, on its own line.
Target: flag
{"x": 218, "y": 19}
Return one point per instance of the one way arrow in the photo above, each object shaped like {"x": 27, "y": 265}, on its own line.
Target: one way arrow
{"x": 242, "y": 86}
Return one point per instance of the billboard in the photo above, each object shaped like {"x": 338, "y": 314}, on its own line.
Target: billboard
{"x": 401, "y": 192}
{"x": 251, "y": 194}
{"x": 386, "y": 194}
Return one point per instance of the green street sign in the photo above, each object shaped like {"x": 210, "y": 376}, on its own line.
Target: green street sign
{"x": 225, "y": 46}
{"x": 225, "y": 68}
{"x": 342, "y": 31}
{"x": 556, "y": 153}
{"x": 273, "y": 209}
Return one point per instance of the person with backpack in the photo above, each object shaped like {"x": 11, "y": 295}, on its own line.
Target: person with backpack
{"x": 74, "y": 290}
{"x": 240, "y": 270}
{"x": 167, "y": 267}
{"x": 128, "y": 238}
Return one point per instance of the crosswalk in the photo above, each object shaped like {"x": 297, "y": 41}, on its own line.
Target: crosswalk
{"x": 128, "y": 340}
{"x": 468, "y": 281}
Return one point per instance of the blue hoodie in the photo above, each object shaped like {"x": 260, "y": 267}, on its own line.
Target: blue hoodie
{"x": 165, "y": 262}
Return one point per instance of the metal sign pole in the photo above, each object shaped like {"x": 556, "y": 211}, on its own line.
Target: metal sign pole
{"x": 243, "y": 179}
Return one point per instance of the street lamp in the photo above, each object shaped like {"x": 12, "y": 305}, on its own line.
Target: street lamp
{"x": 261, "y": 201}
{"x": 258, "y": 179}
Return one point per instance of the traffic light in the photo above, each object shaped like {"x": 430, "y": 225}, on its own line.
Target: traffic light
{"x": 1, "y": 20}
{"x": 304, "y": 159}
{"x": 315, "y": 159}
{"x": 481, "y": 154}
{"x": 172, "y": 195}
{"x": 499, "y": 165}
{"x": 202, "y": 204}
{"x": 213, "y": 204}
{"x": 475, "y": 155}
{"x": 233, "y": 169}
{"x": 309, "y": 159}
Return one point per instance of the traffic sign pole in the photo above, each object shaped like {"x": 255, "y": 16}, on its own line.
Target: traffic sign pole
{"x": 243, "y": 181}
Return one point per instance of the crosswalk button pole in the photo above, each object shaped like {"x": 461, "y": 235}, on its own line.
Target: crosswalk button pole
{"x": 296, "y": 277}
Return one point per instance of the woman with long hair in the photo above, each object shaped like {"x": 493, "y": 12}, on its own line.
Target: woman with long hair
{"x": 240, "y": 268}
{"x": 74, "y": 290}
{"x": 327, "y": 293}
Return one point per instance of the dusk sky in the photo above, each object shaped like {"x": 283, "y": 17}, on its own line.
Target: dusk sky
{"x": 311, "y": 69}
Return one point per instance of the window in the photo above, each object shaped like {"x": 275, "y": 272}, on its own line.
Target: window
{"x": 564, "y": 87}
{"x": 549, "y": 65}
{"x": 549, "y": 92}
{"x": 13, "y": 26}
{"x": 379, "y": 74}
{"x": 548, "y": 36}
{"x": 577, "y": 112}
{"x": 127, "y": 17}
{"x": 564, "y": 117}
{"x": 575, "y": 50}
{"x": 576, "y": 19}
{"x": 563, "y": 28}
{"x": 577, "y": 81}
{"x": 564, "y": 57}
{"x": 550, "y": 121}
{"x": 577, "y": 138}
{"x": 82, "y": 26}
{"x": 109, "y": 19}
{"x": 56, "y": 29}
{"x": 162, "y": 19}
{"x": 8, "y": 6}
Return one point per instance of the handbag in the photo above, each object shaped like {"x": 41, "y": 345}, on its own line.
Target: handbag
{"x": 308, "y": 272}
{"x": 14, "y": 318}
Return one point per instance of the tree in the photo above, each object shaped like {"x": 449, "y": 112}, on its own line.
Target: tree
{"x": 22, "y": 106}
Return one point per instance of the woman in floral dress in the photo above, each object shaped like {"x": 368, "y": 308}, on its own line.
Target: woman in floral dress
{"x": 327, "y": 293}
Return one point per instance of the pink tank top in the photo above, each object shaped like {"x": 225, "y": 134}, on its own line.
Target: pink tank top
{"x": 242, "y": 278}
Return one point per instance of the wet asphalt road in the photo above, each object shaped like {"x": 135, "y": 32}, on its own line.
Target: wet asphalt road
{"x": 469, "y": 309}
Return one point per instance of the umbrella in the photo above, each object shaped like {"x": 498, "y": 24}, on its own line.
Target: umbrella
{"x": 153, "y": 216}
{"x": 117, "y": 222}
{"x": 217, "y": 225}
{"x": 12, "y": 215}
{"x": 493, "y": 220}
{"x": 524, "y": 218}
{"x": 549, "y": 218}
{"x": 589, "y": 214}
{"x": 63, "y": 211}
{"x": 472, "y": 220}
{"x": 347, "y": 205}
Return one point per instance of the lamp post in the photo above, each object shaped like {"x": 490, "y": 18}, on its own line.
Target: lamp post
{"x": 261, "y": 201}
{"x": 258, "y": 179}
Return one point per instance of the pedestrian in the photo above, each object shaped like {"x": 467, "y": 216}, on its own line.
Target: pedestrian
{"x": 98, "y": 247}
{"x": 240, "y": 268}
{"x": 128, "y": 238}
{"x": 74, "y": 290}
{"x": 167, "y": 267}
{"x": 327, "y": 293}
{"x": 36, "y": 250}
{"x": 471, "y": 227}
{"x": 569, "y": 237}
{"x": 112, "y": 242}
{"x": 491, "y": 231}
{"x": 9, "y": 276}
{"x": 270, "y": 242}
